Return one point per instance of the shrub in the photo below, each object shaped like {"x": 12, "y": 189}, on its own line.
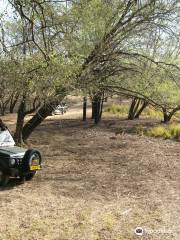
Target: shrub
{"x": 170, "y": 132}
{"x": 174, "y": 130}
{"x": 159, "y": 131}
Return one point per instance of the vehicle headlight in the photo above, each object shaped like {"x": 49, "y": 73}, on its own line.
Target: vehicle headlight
{"x": 12, "y": 162}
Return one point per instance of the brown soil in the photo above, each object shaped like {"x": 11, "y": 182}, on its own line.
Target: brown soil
{"x": 97, "y": 183}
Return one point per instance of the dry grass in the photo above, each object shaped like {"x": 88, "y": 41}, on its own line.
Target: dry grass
{"x": 96, "y": 184}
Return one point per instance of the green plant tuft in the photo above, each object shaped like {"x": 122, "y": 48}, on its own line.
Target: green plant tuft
{"x": 170, "y": 132}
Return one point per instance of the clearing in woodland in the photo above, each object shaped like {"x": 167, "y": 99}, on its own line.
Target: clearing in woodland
{"x": 96, "y": 184}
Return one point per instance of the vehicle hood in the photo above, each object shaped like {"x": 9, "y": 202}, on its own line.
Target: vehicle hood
{"x": 12, "y": 152}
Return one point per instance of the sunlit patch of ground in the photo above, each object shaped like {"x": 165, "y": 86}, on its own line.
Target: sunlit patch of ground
{"x": 96, "y": 184}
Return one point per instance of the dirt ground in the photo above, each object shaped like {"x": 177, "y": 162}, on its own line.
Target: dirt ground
{"x": 97, "y": 183}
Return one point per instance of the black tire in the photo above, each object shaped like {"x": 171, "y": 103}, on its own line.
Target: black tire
{"x": 4, "y": 179}
{"x": 26, "y": 162}
{"x": 30, "y": 176}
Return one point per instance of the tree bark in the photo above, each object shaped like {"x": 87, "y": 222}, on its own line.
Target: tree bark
{"x": 3, "y": 109}
{"x": 13, "y": 102}
{"x": 84, "y": 108}
{"x": 97, "y": 107}
{"x": 144, "y": 105}
{"x": 167, "y": 116}
{"x": 93, "y": 108}
{"x": 44, "y": 111}
{"x": 20, "y": 122}
{"x": 131, "y": 109}
{"x": 135, "y": 109}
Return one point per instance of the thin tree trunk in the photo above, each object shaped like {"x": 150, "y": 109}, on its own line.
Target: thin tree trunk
{"x": 98, "y": 106}
{"x": 84, "y": 108}
{"x": 166, "y": 116}
{"x": 102, "y": 104}
{"x": 131, "y": 109}
{"x": 13, "y": 103}
{"x": 144, "y": 105}
{"x": 96, "y": 110}
{"x": 93, "y": 109}
{"x": 136, "y": 107}
{"x": 3, "y": 109}
{"x": 20, "y": 122}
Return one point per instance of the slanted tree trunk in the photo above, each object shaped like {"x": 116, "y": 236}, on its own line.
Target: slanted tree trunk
{"x": 133, "y": 107}
{"x": 141, "y": 109}
{"x": 43, "y": 112}
{"x": 136, "y": 108}
{"x": 22, "y": 112}
{"x": 167, "y": 115}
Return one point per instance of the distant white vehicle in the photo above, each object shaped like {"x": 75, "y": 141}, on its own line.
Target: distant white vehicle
{"x": 60, "y": 109}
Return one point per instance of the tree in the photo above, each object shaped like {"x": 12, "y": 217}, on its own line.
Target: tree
{"x": 42, "y": 71}
{"x": 86, "y": 46}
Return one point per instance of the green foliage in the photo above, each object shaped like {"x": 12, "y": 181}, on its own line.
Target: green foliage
{"x": 159, "y": 131}
{"x": 90, "y": 24}
{"x": 174, "y": 130}
{"x": 170, "y": 132}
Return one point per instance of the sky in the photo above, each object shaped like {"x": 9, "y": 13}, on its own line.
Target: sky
{"x": 3, "y": 4}
{"x": 5, "y": 7}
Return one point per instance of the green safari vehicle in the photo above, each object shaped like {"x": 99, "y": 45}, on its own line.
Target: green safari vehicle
{"x": 16, "y": 161}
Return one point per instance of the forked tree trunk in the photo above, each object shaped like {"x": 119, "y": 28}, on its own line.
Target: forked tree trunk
{"x": 136, "y": 108}
{"x": 24, "y": 131}
{"x": 167, "y": 115}
{"x": 141, "y": 109}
